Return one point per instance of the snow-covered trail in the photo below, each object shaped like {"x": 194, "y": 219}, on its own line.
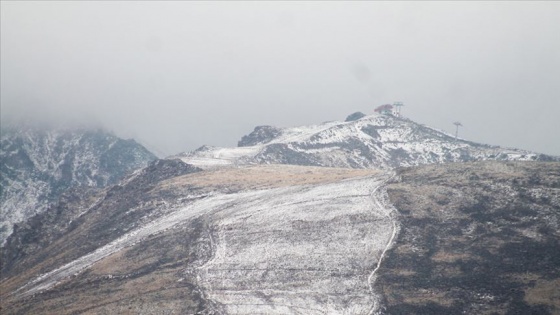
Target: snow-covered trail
{"x": 309, "y": 252}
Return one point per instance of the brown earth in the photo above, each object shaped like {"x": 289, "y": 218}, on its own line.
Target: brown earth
{"x": 476, "y": 238}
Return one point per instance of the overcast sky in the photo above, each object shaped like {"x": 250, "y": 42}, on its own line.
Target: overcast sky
{"x": 177, "y": 75}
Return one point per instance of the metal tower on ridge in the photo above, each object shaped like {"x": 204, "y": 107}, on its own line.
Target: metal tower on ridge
{"x": 398, "y": 106}
{"x": 457, "y": 124}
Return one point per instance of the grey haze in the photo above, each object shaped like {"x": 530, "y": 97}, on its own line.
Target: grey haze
{"x": 177, "y": 75}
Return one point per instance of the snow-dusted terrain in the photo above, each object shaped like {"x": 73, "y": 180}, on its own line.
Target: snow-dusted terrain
{"x": 375, "y": 141}
{"x": 309, "y": 250}
{"x": 294, "y": 250}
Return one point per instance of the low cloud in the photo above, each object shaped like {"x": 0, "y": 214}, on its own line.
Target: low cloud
{"x": 177, "y": 75}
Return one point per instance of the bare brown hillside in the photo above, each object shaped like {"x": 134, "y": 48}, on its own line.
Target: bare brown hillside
{"x": 476, "y": 238}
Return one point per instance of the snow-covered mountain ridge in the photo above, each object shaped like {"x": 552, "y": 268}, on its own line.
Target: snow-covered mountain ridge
{"x": 37, "y": 165}
{"x": 374, "y": 141}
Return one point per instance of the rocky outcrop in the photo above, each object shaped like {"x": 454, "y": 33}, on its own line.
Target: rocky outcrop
{"x": 261, "y": 135}
{"x": 355, "y": 116}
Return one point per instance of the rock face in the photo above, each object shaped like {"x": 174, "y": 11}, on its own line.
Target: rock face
{"x": 261, "y": 135}
{"x": 38, "y": 165}
{"x": 476, "y": 238}
{"x": 377, "y": 141}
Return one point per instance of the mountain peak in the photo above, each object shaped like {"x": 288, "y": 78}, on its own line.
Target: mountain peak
{"x": 368, "y": 141}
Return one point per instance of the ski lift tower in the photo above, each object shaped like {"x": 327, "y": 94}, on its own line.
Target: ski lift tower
{"x": 457, "y": 125}
{"x": 398, "y": 106}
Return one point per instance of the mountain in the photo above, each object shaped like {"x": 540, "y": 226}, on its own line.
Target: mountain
{"x": 375, "y": 141}
{"x": 37, "y": 165}
{"x": 242, "y": 232}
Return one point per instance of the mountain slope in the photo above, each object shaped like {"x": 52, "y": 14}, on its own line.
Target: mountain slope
{"x": 376, "y": 141}
{"x": 476, "y": 238}
{"x": 211, "y": 246}
{"x": 37, "y": 165}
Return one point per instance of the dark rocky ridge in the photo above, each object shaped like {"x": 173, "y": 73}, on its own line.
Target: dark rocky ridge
{"x": 476, "y": 238}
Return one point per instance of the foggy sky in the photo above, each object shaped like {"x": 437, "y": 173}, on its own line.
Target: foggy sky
{"x": 177, "y": 75}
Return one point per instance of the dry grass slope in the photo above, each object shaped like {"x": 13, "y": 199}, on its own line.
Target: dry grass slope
{"x": 476, "y": 238}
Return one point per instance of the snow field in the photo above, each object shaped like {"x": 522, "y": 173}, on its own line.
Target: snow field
{"x": 307, "y": 251}
{"x": 291, "y": 250}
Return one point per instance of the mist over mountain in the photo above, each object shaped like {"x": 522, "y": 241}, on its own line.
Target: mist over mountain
{"x": 178, "y": 75}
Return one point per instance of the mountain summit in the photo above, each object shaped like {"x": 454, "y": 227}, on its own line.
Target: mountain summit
{"x": 374, "y": 141}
